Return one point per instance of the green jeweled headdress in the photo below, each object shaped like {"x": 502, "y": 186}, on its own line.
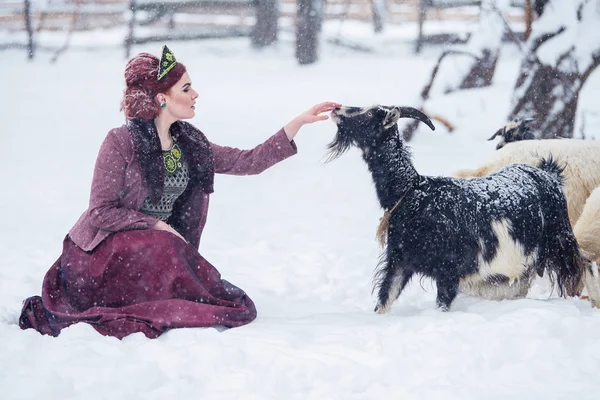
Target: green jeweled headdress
{"x": 167, "y": 62}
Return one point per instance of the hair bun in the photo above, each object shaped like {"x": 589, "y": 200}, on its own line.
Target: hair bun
{"x": 140, "y": 69}
{"x": 138, "y": 102}
{"x": 142, "y": 85}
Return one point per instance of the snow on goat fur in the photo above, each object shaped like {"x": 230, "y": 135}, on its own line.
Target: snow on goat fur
{"x": 580, "y": 158}
{"x": 587, "y": 228}
{"x": 487, "y": 234}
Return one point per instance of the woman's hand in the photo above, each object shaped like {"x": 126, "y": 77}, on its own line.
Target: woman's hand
{"x": 163, "y": 226}
{"x": 309, "y": 116}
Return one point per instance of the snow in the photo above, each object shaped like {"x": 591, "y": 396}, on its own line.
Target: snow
{"x": 581, "y": 36}
{"x": 588, "y": 42}
{"x": 299, "y": 238}
{"x": 486, "y": 37}
{"x": 557, "y": 14}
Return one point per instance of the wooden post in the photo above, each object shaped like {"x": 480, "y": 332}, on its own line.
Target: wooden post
{"x": 28, "y": 26}
{"x": 378, "y": 7}
{"x": 308, "y": 26}
{"x": 528, "y": 19}
{"x": 265, "y": 30}
{"x": 129, "y": 39}
{"x": 422, "y": 12}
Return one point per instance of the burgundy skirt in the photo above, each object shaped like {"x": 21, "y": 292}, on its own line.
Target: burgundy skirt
{"x": 145, "y": 281}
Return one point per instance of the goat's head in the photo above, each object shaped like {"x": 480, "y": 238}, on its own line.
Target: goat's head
{"x": 368, "y": 127}
{"x": 514, "y": 131}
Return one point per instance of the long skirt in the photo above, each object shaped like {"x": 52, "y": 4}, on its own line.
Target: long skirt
{"x": 145, "y": 281}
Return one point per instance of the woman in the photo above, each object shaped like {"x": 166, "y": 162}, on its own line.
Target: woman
{"x": 130, "y": 264}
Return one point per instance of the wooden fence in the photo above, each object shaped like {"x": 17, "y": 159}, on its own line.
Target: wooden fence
{"x": 78, "y": 15}
{"x": 55, "y": 14}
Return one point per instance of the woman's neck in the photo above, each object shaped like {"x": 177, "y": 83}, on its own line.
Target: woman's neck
{"x": 163, "y": 125}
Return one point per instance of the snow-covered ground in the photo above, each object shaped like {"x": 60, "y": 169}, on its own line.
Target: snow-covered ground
{"x": 300, "y": 239}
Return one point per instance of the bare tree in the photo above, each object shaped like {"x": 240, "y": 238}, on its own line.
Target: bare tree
{"x": 561, "y": 53}
{"x": 471, "y": 65}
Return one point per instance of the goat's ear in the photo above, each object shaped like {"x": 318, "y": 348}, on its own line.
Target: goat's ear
{"x": 392, "y": 116}
{"x": 499, "y": 132}
{"x": 525, "y": 123}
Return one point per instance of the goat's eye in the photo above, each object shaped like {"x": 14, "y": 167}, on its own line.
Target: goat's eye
{"x": 370, "y": 114}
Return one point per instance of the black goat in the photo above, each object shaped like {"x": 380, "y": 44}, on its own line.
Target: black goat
{"x": 484, "y": 232}
{"x": 514, "y": 131}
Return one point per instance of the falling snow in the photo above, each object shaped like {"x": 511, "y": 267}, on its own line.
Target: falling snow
{"x": 299, "y": 239}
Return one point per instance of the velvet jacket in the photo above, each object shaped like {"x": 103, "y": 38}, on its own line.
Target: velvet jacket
{"x": 129, "y": 168}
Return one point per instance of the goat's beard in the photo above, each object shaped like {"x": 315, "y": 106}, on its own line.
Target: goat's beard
{"x": 338, "y": 146}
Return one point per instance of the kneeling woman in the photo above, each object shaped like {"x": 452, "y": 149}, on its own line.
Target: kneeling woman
{"x": 130, "y": 264}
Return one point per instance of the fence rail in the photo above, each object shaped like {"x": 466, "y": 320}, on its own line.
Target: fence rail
{"x": 93, "y": 13}
{"x": 235, "y": 15}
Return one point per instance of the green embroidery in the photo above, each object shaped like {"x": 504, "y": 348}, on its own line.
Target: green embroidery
{"x": 172, "y": 159}
{"x": 167, "y": 62}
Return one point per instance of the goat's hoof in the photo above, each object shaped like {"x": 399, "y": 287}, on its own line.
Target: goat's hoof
{"x": 379, "y": 309}
{"x": 595, "y": 303}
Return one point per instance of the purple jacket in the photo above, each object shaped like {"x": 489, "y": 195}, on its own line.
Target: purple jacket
{"x": 119, "y": 186}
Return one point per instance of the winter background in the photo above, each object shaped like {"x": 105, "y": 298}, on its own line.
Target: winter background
{"x": 299, "y": 238}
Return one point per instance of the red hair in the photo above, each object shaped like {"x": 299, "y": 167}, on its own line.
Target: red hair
{"x": 142, "y": 86}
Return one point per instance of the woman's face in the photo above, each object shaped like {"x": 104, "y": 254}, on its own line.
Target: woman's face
{"x": 181, "y": 99}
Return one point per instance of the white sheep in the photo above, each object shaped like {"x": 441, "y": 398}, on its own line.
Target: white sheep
{"x": 587, "y": 227}
{"x": 581, "y": 159}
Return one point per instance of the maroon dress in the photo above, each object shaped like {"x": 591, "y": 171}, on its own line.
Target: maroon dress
{"x": 120, "y": 276}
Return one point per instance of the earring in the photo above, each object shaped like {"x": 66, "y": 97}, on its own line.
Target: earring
{"x": 163, "y": 104}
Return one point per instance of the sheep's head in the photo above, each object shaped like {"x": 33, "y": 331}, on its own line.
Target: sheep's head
{"x": 368, "y": 127}
{"x": 514, "y": 131}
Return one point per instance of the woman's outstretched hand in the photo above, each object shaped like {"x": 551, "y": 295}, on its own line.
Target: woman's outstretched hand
{"x": 309, "y": 116}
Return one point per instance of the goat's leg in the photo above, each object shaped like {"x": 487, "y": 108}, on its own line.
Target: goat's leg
{"x": 391, "y": 286}
{"x": 447, "y": 289}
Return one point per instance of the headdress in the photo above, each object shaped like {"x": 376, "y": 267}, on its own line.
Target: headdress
{"x": 167, "y": 62}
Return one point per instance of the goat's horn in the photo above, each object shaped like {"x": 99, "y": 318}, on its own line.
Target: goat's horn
{"x": 499, "y": 132}
{"x": 527, "y": 121}
{"x": 410, "y": 112}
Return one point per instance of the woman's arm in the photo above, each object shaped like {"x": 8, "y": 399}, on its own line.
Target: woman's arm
{"x": 229, "y": 160}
